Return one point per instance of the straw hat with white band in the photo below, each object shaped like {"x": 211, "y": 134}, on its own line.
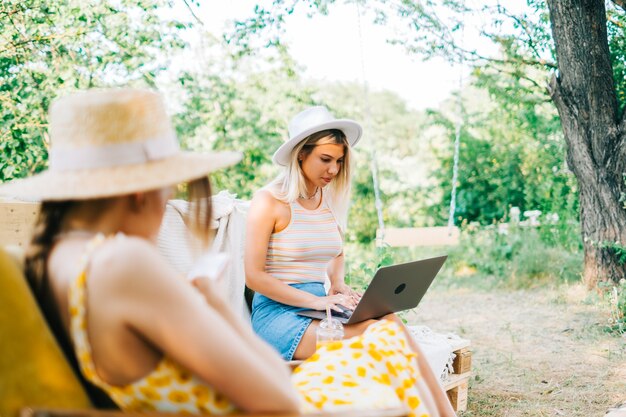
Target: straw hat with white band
{"x": 112, "y": 142}
{"x": 313, "y": 120}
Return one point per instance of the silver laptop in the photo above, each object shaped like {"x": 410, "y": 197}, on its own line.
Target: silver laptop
{"x": 394, "y": 288}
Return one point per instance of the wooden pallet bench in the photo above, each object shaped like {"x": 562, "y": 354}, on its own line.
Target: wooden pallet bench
{"x": 456, "y": 386}
{"x": 16, "y": 223}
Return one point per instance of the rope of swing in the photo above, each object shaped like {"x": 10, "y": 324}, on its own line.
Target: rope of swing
{"x": 457, "y": 145}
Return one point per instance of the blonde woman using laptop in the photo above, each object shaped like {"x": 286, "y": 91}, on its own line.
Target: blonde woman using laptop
{"x": 147, "y": 337}
{"x": 295, "y": 240}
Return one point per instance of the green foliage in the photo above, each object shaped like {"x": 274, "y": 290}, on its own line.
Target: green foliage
{"x": 363, "y": 262}
{"x": 363, "y": 218}
{"x": 614, "y": 248}
{"x": 512, "y": 154}
{"x": 500, "y": 256}
{"x": 512, "y": 151}
{"x": 490, "y": 178}
{"x": 49, "y": 48}
{"x": 215, "y": 116}
{"x": 520, "y": 257}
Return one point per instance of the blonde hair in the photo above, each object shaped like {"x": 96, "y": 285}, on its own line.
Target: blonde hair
{"x": 290, "y": 184}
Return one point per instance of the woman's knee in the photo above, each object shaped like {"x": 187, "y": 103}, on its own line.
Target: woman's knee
{"x": 392, "y": 317}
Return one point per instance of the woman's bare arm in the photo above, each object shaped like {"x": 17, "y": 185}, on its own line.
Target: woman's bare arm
{"x": 208, "y": 288}
{"x": 336, "y": 270}
{"x": 336, "y": 275}
{"x": 144, "y": 294}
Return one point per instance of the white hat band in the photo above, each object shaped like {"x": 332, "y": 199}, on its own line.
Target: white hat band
{"x": 127, "y": 153}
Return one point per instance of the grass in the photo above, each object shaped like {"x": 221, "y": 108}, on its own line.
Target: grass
{"x": 532, "y": 356}
{"x": 539, "y": 339}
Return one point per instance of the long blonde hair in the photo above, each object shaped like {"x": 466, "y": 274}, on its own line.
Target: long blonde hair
{"x": 290, "y": 184}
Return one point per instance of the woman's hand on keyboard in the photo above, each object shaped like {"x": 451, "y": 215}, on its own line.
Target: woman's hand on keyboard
{"x": 352, "y": 297}
{"x": 320, "y": 303}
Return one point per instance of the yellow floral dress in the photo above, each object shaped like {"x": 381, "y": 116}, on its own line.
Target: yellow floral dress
{"x": 375, "y": 370}
{"x": 168, "y": 388}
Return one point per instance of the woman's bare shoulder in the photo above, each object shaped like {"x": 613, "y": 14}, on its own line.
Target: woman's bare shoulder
{"x": 265, "y": 202}
{"x": 128, "y": 246}
{"x": 124, "y": 256}
{"x": 264, "y": 196}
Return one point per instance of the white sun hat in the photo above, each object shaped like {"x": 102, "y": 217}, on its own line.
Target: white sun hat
{"x": 112, "y": 142}
{"x": 312, "y": 120}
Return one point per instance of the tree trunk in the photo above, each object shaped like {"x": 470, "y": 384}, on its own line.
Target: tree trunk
{"x": 584, "y": 94}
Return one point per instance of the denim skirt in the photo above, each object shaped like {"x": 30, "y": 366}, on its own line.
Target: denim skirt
{"x": 278, "y": 324}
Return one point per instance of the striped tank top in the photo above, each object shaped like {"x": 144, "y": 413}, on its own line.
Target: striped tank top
{"x": 301, "y": 251}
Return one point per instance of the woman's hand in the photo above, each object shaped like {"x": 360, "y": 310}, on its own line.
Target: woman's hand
{"x": 320, "y": 303}
{"x": 214, "y": 290}
{"x": 211, "y": 290}
{"x": 351, "y": 297}
{"x": 208, "y": 276}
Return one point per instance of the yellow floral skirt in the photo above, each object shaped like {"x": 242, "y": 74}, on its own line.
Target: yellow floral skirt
{"x": 375, "y": 370}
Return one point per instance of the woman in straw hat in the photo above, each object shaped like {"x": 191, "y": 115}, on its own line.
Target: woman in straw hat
{"x": 295, "y": 239}
{"x": 138, "y": 330}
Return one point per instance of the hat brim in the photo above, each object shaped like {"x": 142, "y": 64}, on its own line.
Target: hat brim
{"x": 120, "y": 180}
{"x": 350, "y": 128}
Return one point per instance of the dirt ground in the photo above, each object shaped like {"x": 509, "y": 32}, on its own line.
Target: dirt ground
{"x": 535, "y": 352}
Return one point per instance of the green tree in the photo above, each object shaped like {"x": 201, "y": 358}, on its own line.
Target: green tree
{"x": 48, "y": 48}
{"x": 512, "y": 154}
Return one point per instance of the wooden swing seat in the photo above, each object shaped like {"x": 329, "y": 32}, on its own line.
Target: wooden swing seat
{"x": 418, "y": 236}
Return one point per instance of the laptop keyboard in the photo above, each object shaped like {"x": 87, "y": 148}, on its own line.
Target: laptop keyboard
{"x": 346, "y": 313}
